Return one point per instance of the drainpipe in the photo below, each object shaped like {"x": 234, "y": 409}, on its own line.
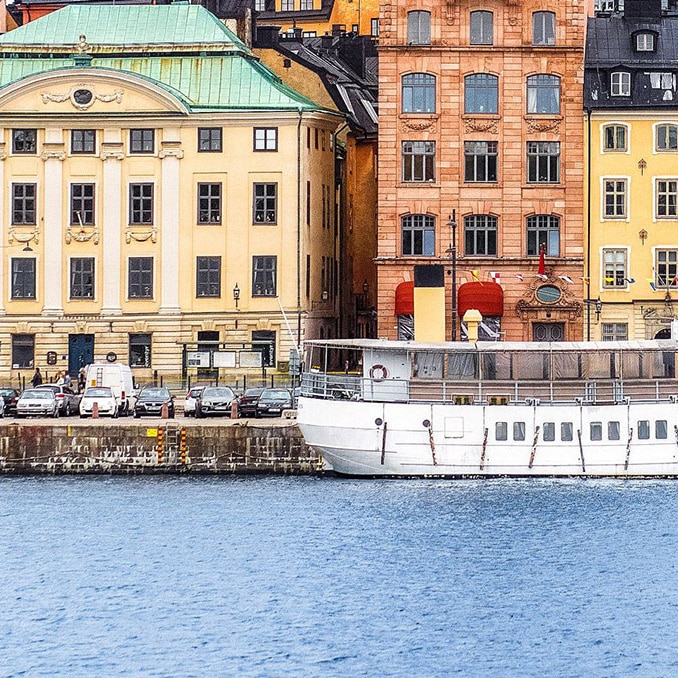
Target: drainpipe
{"x": 299, "y": 231}
{"x": 588, "y": 225}
{"x": 339, "y": 240}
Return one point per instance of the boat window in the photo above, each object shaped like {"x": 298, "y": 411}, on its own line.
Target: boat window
{"x": 643, "y": 429}
{"x": 596, "y": 430}
{"x": 501, "y": 431}
{"x": 566, "y": 431}
{"x": 428, "y": 365}
{"x": 497, "y": 366}
{"x": 518, "y": 430}
{"x": 660, "y": 429}
{"x": 462, "y": 366}
{"x": 531, "y": 365}
{"x": 566, "y": 366}
{"x": 613, "y": 430}
{"x": 489, "y": 366}
{"x": 549, "y": 431}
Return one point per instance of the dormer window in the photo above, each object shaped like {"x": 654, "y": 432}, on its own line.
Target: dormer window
{"x": 644, "y": 42}
{"x": 620, "y": 84}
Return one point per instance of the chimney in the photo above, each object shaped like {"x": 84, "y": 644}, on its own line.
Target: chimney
{"x": 268, "y": 36}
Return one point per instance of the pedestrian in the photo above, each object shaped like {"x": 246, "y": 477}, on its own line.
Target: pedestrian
{"x": 37, "y": 378}
{"x": 67, "y": 378}
{"x": 81, "y": 380}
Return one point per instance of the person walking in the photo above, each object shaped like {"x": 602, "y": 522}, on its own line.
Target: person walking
{"x": 37, "y": 378}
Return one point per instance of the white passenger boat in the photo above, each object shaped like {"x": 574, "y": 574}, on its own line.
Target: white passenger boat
{"x": 399, "y": 409}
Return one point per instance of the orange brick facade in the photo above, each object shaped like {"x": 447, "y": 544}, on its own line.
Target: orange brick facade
{"x": 511, "y": 198}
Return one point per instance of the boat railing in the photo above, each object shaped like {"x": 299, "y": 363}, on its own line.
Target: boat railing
{"x": 485, "y": 392}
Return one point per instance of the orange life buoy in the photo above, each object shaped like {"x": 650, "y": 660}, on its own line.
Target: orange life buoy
{"x": 378, "y": 372}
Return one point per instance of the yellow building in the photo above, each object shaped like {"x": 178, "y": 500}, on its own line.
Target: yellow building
{"x": 631, "y": 127}
{"x": 165, "y": 200}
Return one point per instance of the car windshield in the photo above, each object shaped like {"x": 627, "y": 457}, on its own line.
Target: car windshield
{"x": 98, "y": 392}
{"x": 154, "y": 393}
{"x": 250, "y": 392}
{"x": 43, "y": 387}
{"x": 195, "y": 392}
{"x": 6, "y": 391}
{"x": 275, "y": 395}
{"x": 45, "y": 394}
{"x": 218, "y": 393}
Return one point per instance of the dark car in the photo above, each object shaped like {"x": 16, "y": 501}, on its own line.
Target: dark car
{"x": 68, "y": 399}
{"x": 247, "y": 403}
{"x": 150, "y": 402}
{"x": 273, "y": 401}
{"x": 215, "y": 400}
{"x": 9, "y": 396}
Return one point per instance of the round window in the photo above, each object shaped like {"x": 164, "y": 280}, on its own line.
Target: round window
{"x": 82, "y": 96}
{"x": 548, "y": 294}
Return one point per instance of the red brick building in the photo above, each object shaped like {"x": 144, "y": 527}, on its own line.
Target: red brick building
{"x": 480, "y": 117}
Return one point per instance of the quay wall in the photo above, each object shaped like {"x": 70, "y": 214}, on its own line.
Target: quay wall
{"x": 29, "y": 447}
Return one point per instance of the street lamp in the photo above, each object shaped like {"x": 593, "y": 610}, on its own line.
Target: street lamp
{"x": 236, "y": 294}
{"x": 452, "y": 250}
{"x": 599, "y": 309}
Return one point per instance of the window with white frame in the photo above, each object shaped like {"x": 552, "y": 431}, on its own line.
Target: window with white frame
{"x": 667, "y": 137}
{"x": 614, "y": 268}
{"x": 666, "y": 268}
{"x": 615, "y": 332}
{"x": 620, "y": 84}
{"x": 645, "y": 42}
{"x": 265, "y": 138}
{"x": 482, "y": 28}
{"x": 419, "y": 28}
{"x": 614, "y": 138}
{"x": 614, "y": 198}
{"x": 543, "y": 28}
{"x": 374, "y": 27}
{"x": 666, "y": 198}
{"x": 287, "y": 5}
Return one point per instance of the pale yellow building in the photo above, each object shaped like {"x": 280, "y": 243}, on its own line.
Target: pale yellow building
{"x": 165, "y": 200}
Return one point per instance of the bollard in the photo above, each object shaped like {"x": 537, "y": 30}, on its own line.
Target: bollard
{"x": 95, "y": 410}
{"x": 234, "y": 409}
{"x": 164, "y": 412}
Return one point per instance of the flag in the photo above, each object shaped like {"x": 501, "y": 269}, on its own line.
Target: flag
{"x": 567, "y": 279}
{"x": 542, "y": 264}
{"x": 586, "y": 280}
{"x": 476, "y": 275}
{"x": 519, "y": 276}
{"x": 652, "y": 285}
{"x": 542, "y": 276}
{"x": 630, "y": 281}
{"x": 496, "y": 277}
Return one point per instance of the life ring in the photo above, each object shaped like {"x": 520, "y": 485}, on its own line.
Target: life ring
{"x": 378, "y": 373}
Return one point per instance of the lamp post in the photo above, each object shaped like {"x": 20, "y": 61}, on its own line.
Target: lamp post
{"x": 452, "y": 223}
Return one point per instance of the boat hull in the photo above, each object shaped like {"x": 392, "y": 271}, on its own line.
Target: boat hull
{"x": 377, "y": 439}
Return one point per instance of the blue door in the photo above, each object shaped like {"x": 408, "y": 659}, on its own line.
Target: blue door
{"x": 80, "y": 352}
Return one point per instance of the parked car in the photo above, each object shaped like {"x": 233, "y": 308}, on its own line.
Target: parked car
{"x": 103, "y": 396}
{"x": 10, "y": 397}
{"x": 215, "y": 400}
{"x": 273, "y": 401}
{"x": 247, "y": 403}
{"x": 38, "y": 402}
{"x": 69, "y": 400}
{"x": 191, "y": 399}
{"x": 151, "y": 400}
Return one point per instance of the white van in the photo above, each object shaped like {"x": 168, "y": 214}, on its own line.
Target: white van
{"x": 119, "y": 378}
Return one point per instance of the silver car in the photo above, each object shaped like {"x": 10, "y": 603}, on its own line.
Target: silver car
{"x": 35, "y": 402}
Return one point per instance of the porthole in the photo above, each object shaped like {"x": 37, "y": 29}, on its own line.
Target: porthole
{"x": 548, "y": 294}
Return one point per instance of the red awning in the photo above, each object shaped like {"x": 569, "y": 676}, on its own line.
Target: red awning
{"x": 404, "y": 298}
{"x": 486, "y": 297}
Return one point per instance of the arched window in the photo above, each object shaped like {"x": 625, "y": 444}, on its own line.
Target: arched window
{"x": 481, "y": 93}
{"x": 543, "y": 94}
{"x": 615, "y": 138}
{"x": 419, "y": 93}
{"x": 482, "y": 28}
{"x": 419, "y": 28}
{"x": 667, "y": 137}
{"x": 418, "y": 235}
{"x": 543, "y": 28}
{"x": 543, "y": 230}
{"x": 480, "y": 235}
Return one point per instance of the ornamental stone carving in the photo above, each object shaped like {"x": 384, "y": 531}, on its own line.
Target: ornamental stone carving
{"x": 141, "y": 236}
{"x": 481, "y": 125}
{"x": 419, "y": 124}
{"x": 82, "y": 97}
{"x": 534, "y": 125}
{"x": 82, "y": 235}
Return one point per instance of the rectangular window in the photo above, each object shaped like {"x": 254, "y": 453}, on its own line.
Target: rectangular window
{"x": 287, "y": 5}
{"x": 82, "y": 278}
{"x": 613, "y": 431}
{"x": 614, "y": 138}
{"x": 25, "y": 141}
{"x": 549, "y": 431}
{"x": 501, "y": 431}
{"x": 259, "y": 5}
{"x": 209, "y": 140}
{"x": 140, "y": 350}
{"x": 480, "y": 161}
{"x": 209, "y": 203}
{"x": 265, "y": 204}
{"x": 418, "y": 235}
{"x": 23, "y": 278}
{"x": 264, "y": 341}
{"x": 264, "y": 276}
{"x": 265, "y": 138}
{"x": 543, "y": 231}
{"x": 596, "y": 429}
{"x": 566, "y": 431}
{"x": 419, "y": 160}
{"x": 208, "y": 277}
{"x": 140, "y": 204}
{"x": 83, "y": 141}
{"x": 645, "y": 42}
{"x": 419, "y": 28}
{"x": 620, "y": 84}
{"x": 543, "y": 162}
{"x": 614, "y": 198}
{"x": 661, "y": 429}
{"x": 82, "y": 204}
{"x": 23, "y": 204}
{"x": 667, "y": 138}
{"x": 667, "y": 198}
{"x": 666, "y": 268}
{"x": 374, "y": 27}
{"x": 140, "y": 278}
{"x": 643, "y": 429}
{"x": 306, "y": 4}
{"x": 23, "y": 350}
{"x": 308, "y": 203}
{"x": 141, "y": 141}
{"x": 482, "y": 28}
{"x": 615, "y": 332}
{"x": 518, "y": 430}
{"x": 614, "y": 262}
{"x": 543, "y": 28}
{"x": 480, "y": 235}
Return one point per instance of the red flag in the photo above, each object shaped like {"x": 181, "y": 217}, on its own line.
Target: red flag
{"x": 542, "y": 265}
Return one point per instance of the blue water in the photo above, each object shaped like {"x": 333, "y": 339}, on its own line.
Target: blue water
{"x": 312, "y": 577}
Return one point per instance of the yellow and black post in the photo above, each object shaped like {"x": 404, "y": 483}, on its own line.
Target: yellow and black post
{"x": 160, "y": 444}
{"x": 182, "y": 445}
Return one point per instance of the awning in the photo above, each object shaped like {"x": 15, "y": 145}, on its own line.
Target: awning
{"x": 404, "y": 298}
{"x": 486, "y": 297}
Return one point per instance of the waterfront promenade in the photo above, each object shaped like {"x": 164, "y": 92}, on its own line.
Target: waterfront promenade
{"x": 151, "y": 445}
